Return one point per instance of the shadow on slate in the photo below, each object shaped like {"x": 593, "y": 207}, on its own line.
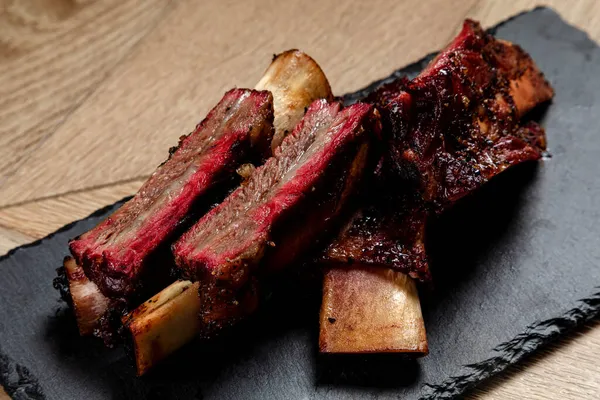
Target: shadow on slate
{"x": 524, "y": 249}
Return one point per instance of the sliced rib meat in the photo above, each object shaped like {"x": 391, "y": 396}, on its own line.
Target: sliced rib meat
{"x": 279, "y": 212}
{"x": 199, "y": 171}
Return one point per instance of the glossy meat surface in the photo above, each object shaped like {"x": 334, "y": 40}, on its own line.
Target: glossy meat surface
{"x": 448, "y": 131}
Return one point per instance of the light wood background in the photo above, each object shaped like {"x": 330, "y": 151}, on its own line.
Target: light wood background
{"x": 93, "y": 93}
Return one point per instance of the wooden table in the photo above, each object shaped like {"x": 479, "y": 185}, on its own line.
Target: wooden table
{"x": 93, "y": 93}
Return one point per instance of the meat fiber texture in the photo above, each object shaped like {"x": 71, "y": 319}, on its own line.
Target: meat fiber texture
{"x": 115, "y": 253}
{"x": 281, "y": 211}
{"x": 447, "y": 132}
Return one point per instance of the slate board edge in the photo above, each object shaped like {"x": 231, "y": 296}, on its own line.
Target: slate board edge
{"x": 523, "y": 345}
{"x": 62, "y": 229}
{"x": 19, "y": 383}
{"x": 15, "y": 379}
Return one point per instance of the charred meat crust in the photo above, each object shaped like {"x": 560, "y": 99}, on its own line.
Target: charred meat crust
{"x": 61, "y": 283}
{"x": 227, "y": 246}
{"x": 447, "y": 132}
{"x": 115, "y": 253}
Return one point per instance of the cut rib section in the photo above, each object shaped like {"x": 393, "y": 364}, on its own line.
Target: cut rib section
{"x": 199, "y": 171}
{"x": 270, "y": 221}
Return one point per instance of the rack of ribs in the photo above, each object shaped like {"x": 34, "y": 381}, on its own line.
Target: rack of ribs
{"x": 447, "y": 132}
{"x": 405, "y": 154}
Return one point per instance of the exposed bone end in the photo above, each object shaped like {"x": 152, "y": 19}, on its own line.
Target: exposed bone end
{"x": 295, "y": 80}
{"x": 529, "y": 90}
{"x": 528, "y": 87}
{"x": 164, "y": 323}
{"x": 89, "y": 303}
{"x": 371, "y": 310}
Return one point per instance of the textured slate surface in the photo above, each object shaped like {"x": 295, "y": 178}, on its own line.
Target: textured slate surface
{"x": 525, "y": 249}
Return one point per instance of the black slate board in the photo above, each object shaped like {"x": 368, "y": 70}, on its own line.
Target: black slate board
{"x": 526, "y": 248}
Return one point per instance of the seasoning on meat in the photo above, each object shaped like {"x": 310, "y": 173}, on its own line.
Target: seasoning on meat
{"x": 450, "y": 130}
{"x": 279, "y": 212}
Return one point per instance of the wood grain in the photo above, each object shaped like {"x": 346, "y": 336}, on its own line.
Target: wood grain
{"x": 582, "y": 14}
{"x": 65, "y": 153}
{"x": 11, "y": 238}
{"x": 181, "y": 70}
{"x": 567, "y": 370}
{"x": 47, "y": 215}
{"x": 52, "y": 54}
